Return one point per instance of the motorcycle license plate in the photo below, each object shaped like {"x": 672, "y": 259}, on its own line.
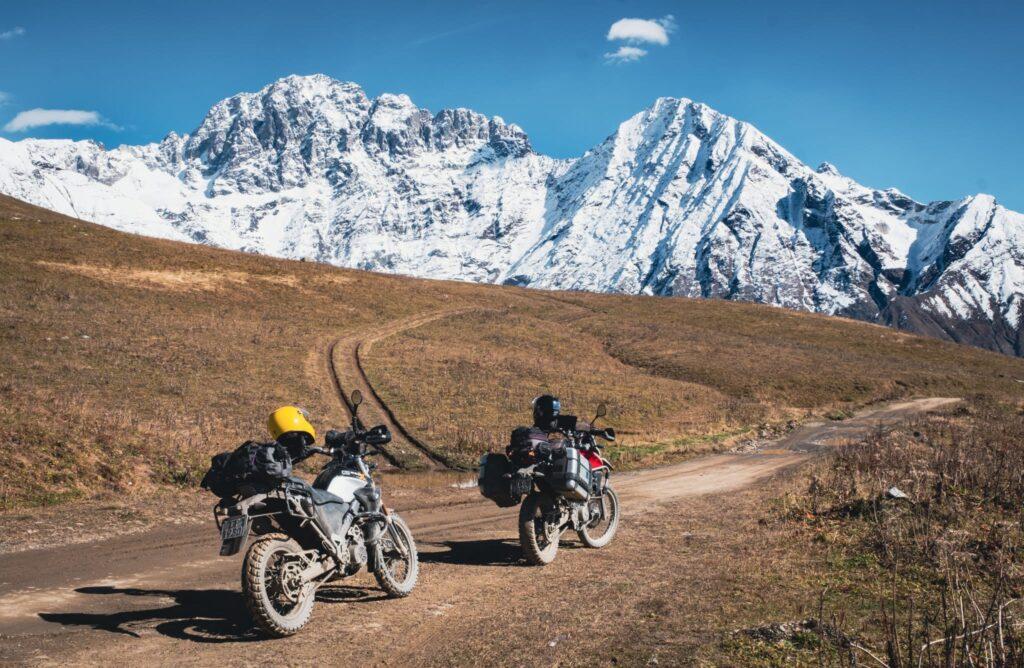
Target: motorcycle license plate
{"x": 234, "y": 527}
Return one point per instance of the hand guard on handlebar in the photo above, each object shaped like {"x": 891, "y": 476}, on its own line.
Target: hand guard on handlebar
{"x": 379, "y": 435}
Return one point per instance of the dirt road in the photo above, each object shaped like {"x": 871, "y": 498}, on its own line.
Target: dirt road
{"x": 164, "y": 595}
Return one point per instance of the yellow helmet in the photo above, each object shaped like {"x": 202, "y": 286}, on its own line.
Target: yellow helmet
{"x": 288, "y": 420}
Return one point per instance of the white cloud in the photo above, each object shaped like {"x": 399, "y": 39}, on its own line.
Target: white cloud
{"x": 625, "y": 54}
{"x": 12, "y": 33}
{"x": 643, "y": 31}
{"x": 4, "y": 97}
{"x": 34, "y": 118}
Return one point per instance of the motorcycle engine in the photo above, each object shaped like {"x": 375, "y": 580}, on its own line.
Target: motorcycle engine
{"x": 581, "y": 515}
{"x": 356, "y": 552}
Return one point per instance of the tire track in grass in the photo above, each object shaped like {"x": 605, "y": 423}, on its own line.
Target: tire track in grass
{"x": 344, "y": 358}
{"x": 343, "y": 398}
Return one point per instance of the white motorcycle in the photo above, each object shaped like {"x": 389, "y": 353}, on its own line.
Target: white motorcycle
{"x": 308, "y": 535}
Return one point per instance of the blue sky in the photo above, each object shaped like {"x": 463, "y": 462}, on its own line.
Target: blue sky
{"x": 927, "y": 97}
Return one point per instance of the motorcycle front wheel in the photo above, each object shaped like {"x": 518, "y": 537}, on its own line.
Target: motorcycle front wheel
{"x": 601, "y": 529}
{"x": 537, "y": 536}
{"x": 272, "y": 586}
{"x": 396, "y": 565}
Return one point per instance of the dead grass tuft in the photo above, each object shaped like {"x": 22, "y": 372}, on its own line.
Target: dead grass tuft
{"x": 183, "y": 280}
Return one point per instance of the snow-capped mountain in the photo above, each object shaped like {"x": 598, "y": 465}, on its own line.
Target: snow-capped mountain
{"x": 680, "y": 200}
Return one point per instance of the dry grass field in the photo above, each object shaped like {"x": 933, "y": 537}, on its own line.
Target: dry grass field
{"x": 932, "y": 579}
{"x": 125, "y": 362}
{"x": 680, "y": 376}
{"x": 469, "y": 396}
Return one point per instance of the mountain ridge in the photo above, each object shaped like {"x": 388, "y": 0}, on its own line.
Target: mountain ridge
{"x": 679, "y": 200}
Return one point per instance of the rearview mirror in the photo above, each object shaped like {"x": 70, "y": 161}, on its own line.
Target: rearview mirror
{"x": 602, "y": 410}
{"x": 357, "y": 398}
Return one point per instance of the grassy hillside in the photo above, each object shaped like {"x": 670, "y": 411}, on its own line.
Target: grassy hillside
{"x": 680, "y": 375}
{"x": 126, "y": 361}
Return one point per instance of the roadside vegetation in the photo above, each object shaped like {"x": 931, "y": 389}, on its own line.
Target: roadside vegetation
{"x": 919, "y": 530}
{"x": 125, "y": 362}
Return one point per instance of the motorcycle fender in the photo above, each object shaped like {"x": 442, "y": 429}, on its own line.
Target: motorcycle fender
{"x": 374, "y": 547}
{"x": 232, "y": 546}
{"x": 372, "y": 531}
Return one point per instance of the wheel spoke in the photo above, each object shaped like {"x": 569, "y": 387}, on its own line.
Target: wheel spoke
{"x": 395, "y": 561}
{"x": 283, "y": 582}
{"x": 604, "y": 522}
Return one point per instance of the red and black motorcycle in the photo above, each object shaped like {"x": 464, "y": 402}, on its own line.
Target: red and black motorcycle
{"x": 565, "y": 481}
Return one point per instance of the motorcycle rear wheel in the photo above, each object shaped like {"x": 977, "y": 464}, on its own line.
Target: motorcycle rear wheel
{"x": 538, "y": 538}
{"x": 274, "y": 596}
{"x": 600, "y": 531}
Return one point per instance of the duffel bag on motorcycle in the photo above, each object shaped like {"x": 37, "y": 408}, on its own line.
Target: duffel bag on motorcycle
{"x": 251, "y": 464}
{"x": 570, "y": 475}
{"x": 528, "y": 445}
{"x": 500, "y": 481}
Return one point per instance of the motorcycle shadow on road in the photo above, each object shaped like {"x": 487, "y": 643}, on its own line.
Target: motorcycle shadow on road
{"x": 196, "y": 615}
{"x": 491, "y": 552}
{"x": 349, "y": 594}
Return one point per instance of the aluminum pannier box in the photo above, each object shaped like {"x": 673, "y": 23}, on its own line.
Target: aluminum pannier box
{"x": 570, "y": 475}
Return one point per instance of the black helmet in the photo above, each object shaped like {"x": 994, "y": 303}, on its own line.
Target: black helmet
{"x": 546, "y": 409}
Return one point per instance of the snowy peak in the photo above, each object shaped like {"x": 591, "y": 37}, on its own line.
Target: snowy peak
{"x": 397, "y": 127}
{"x": 299, "y": 128}
{"x": 270, "y": 139}
{"x": 679, "y": 200}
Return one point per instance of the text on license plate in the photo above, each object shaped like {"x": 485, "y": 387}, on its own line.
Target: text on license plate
{"x": 233, "y": 527}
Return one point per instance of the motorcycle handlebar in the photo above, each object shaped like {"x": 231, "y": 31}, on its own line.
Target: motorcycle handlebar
{"x": 337, "y": 441}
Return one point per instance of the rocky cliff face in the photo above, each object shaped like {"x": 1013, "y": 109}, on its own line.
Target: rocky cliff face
{"x": 680, "y": 200}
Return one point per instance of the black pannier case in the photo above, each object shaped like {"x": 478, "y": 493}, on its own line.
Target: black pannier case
{"x": 498, "y": 480}
{"x": 570, "y": 475}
